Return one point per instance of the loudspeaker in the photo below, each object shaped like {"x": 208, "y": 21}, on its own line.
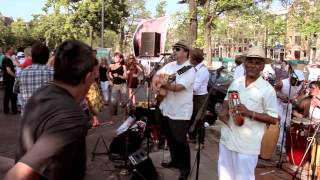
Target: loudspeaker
{"x": 150, "y": 44}
{"x": 142, "y": 166}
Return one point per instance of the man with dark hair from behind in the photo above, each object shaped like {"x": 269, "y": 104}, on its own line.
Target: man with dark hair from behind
{"x": 34, "y": 76}
{"x": 9, "y": 75}
{"x": 52, "y": 140}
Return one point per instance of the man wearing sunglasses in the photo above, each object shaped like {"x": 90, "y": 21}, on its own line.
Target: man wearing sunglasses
{"x": 176, "y": 109}
{"x": 287, "y": 89}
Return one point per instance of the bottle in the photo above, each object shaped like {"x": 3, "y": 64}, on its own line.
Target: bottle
{"x": 235, "y": 100}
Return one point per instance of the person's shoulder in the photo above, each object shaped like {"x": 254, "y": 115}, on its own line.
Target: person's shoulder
{"x": 265, "y": 85}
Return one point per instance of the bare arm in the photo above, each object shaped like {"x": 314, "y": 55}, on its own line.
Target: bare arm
{"x": 10, "y": 72}
{"x": 109, "y": 74}
{"x": 124, "y": 76}
{"x": 224, "y": 112}
{"x": 21, "y": 171}
{"x": 262, "y": 117}
{"x": 174, "y": 87}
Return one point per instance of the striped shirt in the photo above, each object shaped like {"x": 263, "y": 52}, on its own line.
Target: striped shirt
{"x": 30, "y": 79}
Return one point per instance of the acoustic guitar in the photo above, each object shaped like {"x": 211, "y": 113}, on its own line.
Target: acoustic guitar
{"x": 161, "y": 79}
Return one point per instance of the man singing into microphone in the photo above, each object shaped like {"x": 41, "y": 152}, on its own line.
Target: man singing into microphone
{"x": 240, "y": 145}
{"x": 176, "y": 109}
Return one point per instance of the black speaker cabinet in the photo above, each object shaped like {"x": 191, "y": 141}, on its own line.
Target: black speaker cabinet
{"x": 143, "y": 168}
{"x": 150, "y": 44}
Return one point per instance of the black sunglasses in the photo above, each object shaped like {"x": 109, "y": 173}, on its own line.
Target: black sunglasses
{"x": 176, "y": 49}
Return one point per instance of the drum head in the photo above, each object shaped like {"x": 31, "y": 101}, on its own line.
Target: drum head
{"x": 304, "y": 121}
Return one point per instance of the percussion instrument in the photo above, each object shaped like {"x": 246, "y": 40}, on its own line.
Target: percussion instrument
{"x": 95, "y": 99}
{"x": 234, "y": 99}
{"x": 297, "y": 139}
{"x": 269, "y": 140}
{"x": 315, "y": 156}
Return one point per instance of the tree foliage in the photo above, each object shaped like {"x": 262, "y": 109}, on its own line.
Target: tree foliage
{"x": 160, "y": 8}
{"x": 304, "y": 16}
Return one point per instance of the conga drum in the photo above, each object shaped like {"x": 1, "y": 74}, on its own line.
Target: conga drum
{"x": 269, "y": 140}
{"x": 297, "y": 140}
{"x": 315, "y": 156}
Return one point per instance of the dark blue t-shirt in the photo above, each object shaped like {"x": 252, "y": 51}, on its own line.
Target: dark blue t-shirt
{"x": 52, "y": 139}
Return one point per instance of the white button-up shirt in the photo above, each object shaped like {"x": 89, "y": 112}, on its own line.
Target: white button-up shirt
{"x": 178, "y": 105}
{"x": 260, "y": 97}
{"x": 200, "y": 86}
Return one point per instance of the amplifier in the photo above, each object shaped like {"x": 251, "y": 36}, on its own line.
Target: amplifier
{"x": 153, "y": 114}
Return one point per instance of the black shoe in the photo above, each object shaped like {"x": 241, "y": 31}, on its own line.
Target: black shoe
{"x": 170, "y": 164}
{"x": 183, "y": 177}
{"x": 184, "y": 174}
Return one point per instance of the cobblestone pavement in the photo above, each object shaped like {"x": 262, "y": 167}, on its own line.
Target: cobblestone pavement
{"x": 102, "y": 168}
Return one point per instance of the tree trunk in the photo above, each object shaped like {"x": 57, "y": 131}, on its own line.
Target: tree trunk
{"x": 207, "y": 33}
{"x": 121, "y": 43}
{"x": 193, "y": 27}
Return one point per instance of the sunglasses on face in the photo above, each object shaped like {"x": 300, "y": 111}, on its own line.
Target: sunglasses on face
{"x": 176, "y": 49}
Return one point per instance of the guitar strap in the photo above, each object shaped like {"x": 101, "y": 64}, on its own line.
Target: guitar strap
{"x": 184, "y": 69}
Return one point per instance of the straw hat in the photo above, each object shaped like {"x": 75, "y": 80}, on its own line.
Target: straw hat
{"x": 257, "y": 52}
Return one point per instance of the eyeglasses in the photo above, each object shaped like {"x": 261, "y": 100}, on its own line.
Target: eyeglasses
{"x": 176, "y": 49}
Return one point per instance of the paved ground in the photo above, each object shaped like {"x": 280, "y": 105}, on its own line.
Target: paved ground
{"x": 103, "y": 168}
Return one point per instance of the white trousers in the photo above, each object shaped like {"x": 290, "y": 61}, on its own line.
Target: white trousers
{"x": 236, "y": 166}
{"x": 105, "y": 90}
{"x": 282, "y": 108}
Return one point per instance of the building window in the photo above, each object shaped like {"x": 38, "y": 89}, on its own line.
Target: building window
{"x": 290, "y": 39}
{"x": 240, "y": 49}
{"x": 304, "y": 53}
{"x": 245, "y": 40}
{"x": 297, "y": 40}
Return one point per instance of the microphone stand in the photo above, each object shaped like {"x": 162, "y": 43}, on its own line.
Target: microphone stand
{"x": 279, "y": 164}
{"x": 147, "y": 79}
{"x": 199, "y": 119}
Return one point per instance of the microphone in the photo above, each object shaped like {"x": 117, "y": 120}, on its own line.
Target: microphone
{"x": 166, "y": 54}
{"x": 219, "y": 70}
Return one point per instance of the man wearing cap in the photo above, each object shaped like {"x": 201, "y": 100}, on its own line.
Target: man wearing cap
{"x": 35, "y": 75}
{"x": 239, "y": 69}
{"x": 176, "y": 109}
{"x": 200, "y": 92}
{"x": 287, "y": 89}
{"x": 240, "y": 145}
